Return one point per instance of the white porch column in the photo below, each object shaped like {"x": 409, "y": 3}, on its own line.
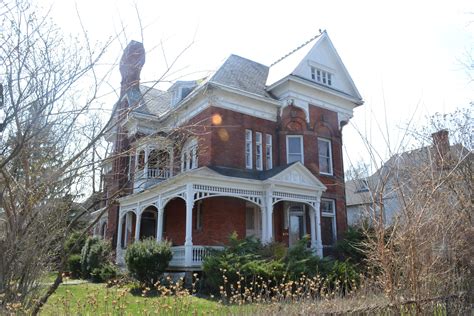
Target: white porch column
{"x": 188, "y": 244}
{"x": 263, "y": 214}
{"x": 269, "y": 216}
{"x": 127, "y": 229}
{"x": 159, "y": 220}
{"x": 312, "y": 221}
{"x": 137, "y": 224}
{"x": 319, "y": 244}
{"x": 118, "y": 254}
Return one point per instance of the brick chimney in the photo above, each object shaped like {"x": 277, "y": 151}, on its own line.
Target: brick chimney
{"x": 131, "y": 65}
{"x": 441, "y": 147}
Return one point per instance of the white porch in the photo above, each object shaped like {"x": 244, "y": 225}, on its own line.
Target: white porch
{"x": 292, "y": 184}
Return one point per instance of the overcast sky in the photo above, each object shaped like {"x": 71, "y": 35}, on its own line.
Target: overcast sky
{"x": 404, "y": 56}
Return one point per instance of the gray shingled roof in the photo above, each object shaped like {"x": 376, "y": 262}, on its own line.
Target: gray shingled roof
{"x": 243, "y": 74}
{"x": 236, "y": 72}
{"x": 154, "y": 102}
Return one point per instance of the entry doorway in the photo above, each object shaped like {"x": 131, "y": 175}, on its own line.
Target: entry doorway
{"x": 297, "y": 224}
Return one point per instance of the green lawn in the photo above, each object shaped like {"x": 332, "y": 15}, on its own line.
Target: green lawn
{"x": 97, "y": 299}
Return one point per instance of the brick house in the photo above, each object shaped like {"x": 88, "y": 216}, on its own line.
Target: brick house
{"x": 251, "y": 149}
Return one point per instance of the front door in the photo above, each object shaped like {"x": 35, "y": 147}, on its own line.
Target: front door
{"x": 297, "y": 227}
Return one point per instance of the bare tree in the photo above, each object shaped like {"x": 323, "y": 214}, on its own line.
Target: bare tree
{"x": 424, "y": 253}
{"x": 47, "y": 103}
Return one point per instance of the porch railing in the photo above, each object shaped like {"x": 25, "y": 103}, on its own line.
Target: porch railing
{"x": 156, "y": 173}
{"x": 153, "y": 173}
{"x": 198, "y": 255}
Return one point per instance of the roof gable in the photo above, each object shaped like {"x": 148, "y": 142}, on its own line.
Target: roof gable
{"x": 320, "y": 53}
{"x": 297, "y": 174}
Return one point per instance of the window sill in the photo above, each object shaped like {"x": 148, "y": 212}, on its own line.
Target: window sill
{"x": 330, "y": 175}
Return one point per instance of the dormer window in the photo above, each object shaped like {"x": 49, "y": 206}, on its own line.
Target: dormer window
{"x": 181, "y": 90}
{"x": 321, "y": 76}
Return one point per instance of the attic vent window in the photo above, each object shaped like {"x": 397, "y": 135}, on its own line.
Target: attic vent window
{"x": 321, "y": 76}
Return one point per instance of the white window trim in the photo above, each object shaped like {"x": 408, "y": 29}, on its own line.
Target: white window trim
{"x": 258, "y": 143}
{"x": 288, "y": 147}
{"x": 269, "y": 151}
{"x": 331, "y": 215}
{"x": 249, "y": 163}
{"x": 331, "y": 169}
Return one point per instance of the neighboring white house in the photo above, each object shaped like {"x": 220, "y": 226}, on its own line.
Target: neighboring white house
{"x": 379, "y": 196}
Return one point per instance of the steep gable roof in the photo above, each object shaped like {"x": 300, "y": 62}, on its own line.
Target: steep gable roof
{"x": 318, "y": 52}
{"x": 286, "y": 65}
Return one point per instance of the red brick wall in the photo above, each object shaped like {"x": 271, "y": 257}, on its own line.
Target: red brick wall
{"x": 222, "y": 136}
{"x": 220, "y": 217}
{"x": 174, "y": 222}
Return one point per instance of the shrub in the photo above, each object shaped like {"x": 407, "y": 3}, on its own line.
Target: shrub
{"x": 147, "y": 260}
{"x": 104, "y": 273}
{"x": 94, "y": 255}
{"x": 248, "y": 262}
{"x": 351, "y": 247}
{"x": 244, "y": 260}
{"x": 74, "y": 266}
{"x": 344, "y": 273}
{"x": 71, "y": 241}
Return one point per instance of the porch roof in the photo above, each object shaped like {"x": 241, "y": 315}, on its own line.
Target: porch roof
{"x": 293, "y": 179}
{"x": 249, "y": 174}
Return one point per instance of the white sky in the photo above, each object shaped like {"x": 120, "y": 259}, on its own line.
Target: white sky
{"x": 404, "y": 56}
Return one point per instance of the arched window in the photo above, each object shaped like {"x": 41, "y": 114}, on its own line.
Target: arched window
{"x": 189, "y": 155}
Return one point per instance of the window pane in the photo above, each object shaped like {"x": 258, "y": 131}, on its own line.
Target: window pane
{"x": 325, "y": 159}
{"x": 248, "y": 135}
{"x": 323, "y": 148}
{"x": 294, "y": 157}
{"x": 294, "y": 144}
{"x": 327, "y": 206}
{"x": 269, "y": 139}
{"x": 323, "y": 165}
